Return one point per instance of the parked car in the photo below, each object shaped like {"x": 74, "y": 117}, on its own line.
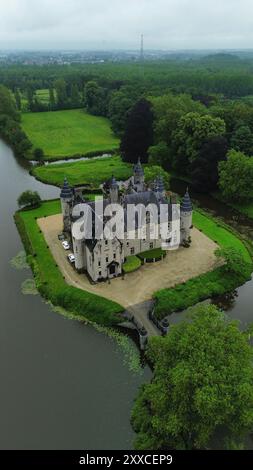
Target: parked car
{"x": 61, "y": 237}
{"x": 65, "y": 245}
{"x": 71, "y": 258}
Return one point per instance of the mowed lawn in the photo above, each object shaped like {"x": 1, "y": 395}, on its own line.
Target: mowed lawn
{"x": 69, "y": 133}
{"x": 91, "y": 172}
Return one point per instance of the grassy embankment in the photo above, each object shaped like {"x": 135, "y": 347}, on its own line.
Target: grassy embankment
{"x": 245, "y": 208}
{"x": 90, "y": 172}
{"x": 213, "y": 283}
{"x": 49, "y": 280}
{"x": 69, "y": 134}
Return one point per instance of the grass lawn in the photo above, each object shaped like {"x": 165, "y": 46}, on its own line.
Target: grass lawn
{"x": 132, "y": 264}
{"x": 210, "y": 284}
{"x": 214, "y": 230}
{"x": 69, "y": 133}
{"x": 90, "y": 172}
{"x": 48, "y": 277}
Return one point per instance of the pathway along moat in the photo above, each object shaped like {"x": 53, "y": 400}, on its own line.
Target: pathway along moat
{"x": 63, "y": 385}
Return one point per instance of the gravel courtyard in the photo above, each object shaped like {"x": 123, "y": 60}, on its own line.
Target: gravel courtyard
{"x": 137, "y": 287}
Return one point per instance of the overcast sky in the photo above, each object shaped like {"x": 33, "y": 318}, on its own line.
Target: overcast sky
{"x": 106, "y": 24}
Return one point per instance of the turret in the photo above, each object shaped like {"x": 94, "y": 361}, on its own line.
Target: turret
{"x": 114, "y": 191}
{"x": 139, "y": 176}
{"x": 66, "y": 205}
{"x": 159, "y": 186}
{"x": 186, "y": 217}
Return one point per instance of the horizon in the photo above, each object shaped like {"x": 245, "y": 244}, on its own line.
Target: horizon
{"x": 168, "y": 25}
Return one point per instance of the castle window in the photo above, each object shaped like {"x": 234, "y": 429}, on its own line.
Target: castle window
{"x": 151, "y": 246}
{"x": 100, "y": 273}
{"x": 99, "y": 263}
{"x": 114, "y": 256}
{"x": 148, "y": 218}
{"x": 132, "y": 251}
{"x": 106, "y": 242}
{"x": 107, "y": 259}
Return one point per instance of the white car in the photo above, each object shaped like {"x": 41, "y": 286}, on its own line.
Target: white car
{"x": 71, "y": 258}
{"x": 65, "y": 245}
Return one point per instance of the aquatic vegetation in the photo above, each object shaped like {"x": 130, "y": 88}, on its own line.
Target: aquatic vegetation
{"x": 29, "y": 288}
{"x": 19, "y": 261}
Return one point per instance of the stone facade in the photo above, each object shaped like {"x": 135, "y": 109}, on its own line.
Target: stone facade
{"x": 104, "y": 259}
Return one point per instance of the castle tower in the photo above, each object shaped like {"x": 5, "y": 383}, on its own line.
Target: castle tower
{"x": 114, "y": 191}
{"x": 186, "y": 211}
{"x": 66, "y": 205}
{"x": 159, "y": 186}
{"x": 139, "y": 178}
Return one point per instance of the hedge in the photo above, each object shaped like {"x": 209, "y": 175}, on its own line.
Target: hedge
{"x": 133, "y": 263}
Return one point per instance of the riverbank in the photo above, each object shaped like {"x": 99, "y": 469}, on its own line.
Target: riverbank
{"x": 211, "y": 284}
{"x": 243, "y": 208}
{"x": 49, "y": 280}
{"x": 90, "y": 173}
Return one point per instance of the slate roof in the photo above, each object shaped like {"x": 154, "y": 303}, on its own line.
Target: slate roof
{"x": 186, "y": 205}
{"x": 67, "y": 191}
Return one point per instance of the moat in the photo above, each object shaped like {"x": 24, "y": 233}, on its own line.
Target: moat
{"x": 63, "y": 384}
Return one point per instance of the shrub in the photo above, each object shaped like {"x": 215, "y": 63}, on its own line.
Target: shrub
{"x": 133, "y": 263}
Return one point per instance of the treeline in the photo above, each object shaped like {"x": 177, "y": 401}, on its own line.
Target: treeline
{"x": 10, "y": 128}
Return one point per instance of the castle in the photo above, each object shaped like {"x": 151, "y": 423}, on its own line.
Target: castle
{"x": 103, "y": 259}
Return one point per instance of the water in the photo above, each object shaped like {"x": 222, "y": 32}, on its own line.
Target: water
{"x": 63, "y": 385}
{"x": 239, "y": 304}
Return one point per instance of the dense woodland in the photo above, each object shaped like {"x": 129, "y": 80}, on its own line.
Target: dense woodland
{"x": 193, "y": 117}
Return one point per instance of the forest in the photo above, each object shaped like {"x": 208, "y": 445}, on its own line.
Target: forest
{"x": 193, "y": 117}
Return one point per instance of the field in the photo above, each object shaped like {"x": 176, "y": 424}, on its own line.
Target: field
{"x": 88, "y": 172}
{"x": 68, "y": 133}
{"x": 48, "y": 277}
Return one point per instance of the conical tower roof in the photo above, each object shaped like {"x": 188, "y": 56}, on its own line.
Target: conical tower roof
{"x": 186, "y": 205}
{"x": 66, "y": 191}
{"x": 138, "y": 167}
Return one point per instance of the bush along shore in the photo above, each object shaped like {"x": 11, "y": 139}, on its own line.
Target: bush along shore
{"x": 217, "y": 282}
{"x": 49, "y": 280}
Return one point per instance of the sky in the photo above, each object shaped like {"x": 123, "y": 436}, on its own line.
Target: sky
{"x": 118, "y": 24}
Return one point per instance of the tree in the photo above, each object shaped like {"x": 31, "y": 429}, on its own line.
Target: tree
{"x": 17, "y": 99}
{"x": 138, "y": 136}
{"x": 29, "y": 198}
{"x": 235, "y": 263}
{"x": 159, "y": 155}
{"x": 203, "y": 382}
{"x": 192, "y": 131}
{"x": 74, "y": 96}
{"x": 51, "y": 98}
{"x": 38, "y": 154}
{"x": 204, "y": 169}
{"x": 242, "y": 140}
{"x": 30, "y": 97}
{"x": 153, "y": 172}
{"x": 61, "y": 92}
{"x": 94, "y": 98}
{"x": 7, "y": 104}
{"x": 118, "y": 112}
{"x": 236, "y": 177}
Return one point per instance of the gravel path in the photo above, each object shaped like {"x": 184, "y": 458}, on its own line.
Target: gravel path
{"x": 177, "y": 267}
